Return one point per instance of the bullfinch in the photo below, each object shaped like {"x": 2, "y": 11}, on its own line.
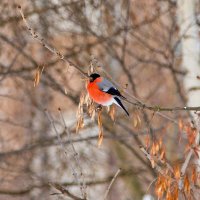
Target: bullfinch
{"x": 103, "y": 92}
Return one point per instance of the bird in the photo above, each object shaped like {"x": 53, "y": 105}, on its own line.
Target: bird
{"x": 103, "y": 92}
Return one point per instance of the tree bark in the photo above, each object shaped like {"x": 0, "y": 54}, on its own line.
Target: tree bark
{"x": 190, "y": 44}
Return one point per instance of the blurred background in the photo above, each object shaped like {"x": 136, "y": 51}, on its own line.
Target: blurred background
{"x": 149, "y": 48}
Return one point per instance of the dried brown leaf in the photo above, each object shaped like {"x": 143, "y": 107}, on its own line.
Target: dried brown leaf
{"x": 177, "y": 172}
{"x": 180, "y": 124}
{"x": 37, "y": 78}
{"x": 100, "y": 139}
{"x": 155, "y": 148}
{"x": 175, "y": 192}
{"x": 191, "y": 134}
{"x": 79, "y": 114}
{"x": 79, "y": 124}
{"x": 163, "y": 156}
{"x": 169, "y": 195}
{"x": 136, "y": 120}
{"x": 139, "y": 120}
{"x": 186, "y": 185}
{"x": 160, "y": 186}
{"x": 194, "y": 175}
{"x": 112, "y": 112}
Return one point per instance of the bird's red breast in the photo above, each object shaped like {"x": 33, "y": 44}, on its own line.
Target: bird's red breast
{"x": 96, "y": 94}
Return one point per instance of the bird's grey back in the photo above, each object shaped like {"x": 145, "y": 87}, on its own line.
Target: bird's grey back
{"x": 105, "y": 85}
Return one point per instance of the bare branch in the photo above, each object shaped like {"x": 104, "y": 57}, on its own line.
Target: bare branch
{"x": 111, "y": 183}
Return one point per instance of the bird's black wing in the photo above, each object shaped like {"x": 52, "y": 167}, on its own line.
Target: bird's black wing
{"x": 114, "y": 91}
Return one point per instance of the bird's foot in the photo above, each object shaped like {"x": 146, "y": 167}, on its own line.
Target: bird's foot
{"x": 98, "y": 108}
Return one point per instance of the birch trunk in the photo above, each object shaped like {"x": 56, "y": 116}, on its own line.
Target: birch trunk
{"x": 190, "y": 43}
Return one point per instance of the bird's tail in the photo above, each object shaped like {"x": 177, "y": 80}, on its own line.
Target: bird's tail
{"x": 119, "y": 103}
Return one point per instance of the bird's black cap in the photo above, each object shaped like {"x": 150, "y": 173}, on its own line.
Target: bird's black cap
{"x": 94, "y": 76}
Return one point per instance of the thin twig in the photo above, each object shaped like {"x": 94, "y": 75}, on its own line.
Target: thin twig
{"x": 83, "y": 185}
{"x": 111, "y": 183}
{"x": 64, "y": 191}
{"x": 158, "y": 108}
{"x": 65, "y": 152}
{"x": 44, "y": 44}
{"x": 151, "y": 184}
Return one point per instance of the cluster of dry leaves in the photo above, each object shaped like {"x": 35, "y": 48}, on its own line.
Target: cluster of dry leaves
{"x": 87, "y": 103}
{"x": 175, "y": 181}
{"x": 168, "y": 184}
